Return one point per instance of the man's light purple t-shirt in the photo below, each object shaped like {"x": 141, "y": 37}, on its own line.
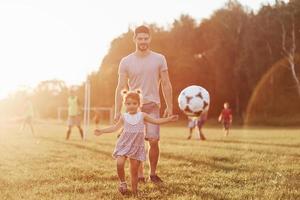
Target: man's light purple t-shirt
{"x": 144, "y": 73}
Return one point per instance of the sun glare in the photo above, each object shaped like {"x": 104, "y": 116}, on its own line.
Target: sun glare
{"x": 66, "y": 40}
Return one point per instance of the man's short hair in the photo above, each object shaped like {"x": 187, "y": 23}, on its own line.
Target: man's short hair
{"x": 141, "y": 29}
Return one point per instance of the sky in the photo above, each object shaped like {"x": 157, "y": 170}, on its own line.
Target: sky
{"x": 67, "y": 39}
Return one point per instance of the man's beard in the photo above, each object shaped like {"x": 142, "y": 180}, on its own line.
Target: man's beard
{"x": 143, "y": 47}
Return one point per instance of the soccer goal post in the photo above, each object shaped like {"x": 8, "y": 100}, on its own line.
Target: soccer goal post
{"x": 86, "y": 109}
{"x": 62, "y": 111}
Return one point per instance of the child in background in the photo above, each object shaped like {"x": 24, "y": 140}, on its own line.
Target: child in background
{"x": 226, "y": 118}
{"x": 28, "y": 116}
{"x": 131, "y": 143}
{"x": 199, "y": 122}
{"x": 74, "y": 118}
{"x": 191, "y": 125}
{"x": 96, "y": 119}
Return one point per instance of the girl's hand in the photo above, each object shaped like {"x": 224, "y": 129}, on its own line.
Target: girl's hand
{"x": 98, "y": 132}
{"x": 173, "y": 118}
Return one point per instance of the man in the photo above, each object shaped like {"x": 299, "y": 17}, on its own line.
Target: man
{"x": 144, "y": 70}
{"x": 28, "y": 116}
{"x": 73, "y": 114}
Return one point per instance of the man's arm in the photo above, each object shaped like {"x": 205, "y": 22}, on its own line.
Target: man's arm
{"x": 152, "y": 120}
{"x": 122, "y": 84}
{"x": 167, "y": 92}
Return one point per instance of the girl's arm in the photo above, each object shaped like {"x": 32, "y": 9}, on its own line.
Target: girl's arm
{"x": 152, "y": 120}
{"x": 110, "y": 129}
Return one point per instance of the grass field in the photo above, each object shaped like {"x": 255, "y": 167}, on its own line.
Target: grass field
{"x": 249, "y": 164}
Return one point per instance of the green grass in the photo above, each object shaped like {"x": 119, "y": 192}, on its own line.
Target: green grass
{"x": 249, "y": 164}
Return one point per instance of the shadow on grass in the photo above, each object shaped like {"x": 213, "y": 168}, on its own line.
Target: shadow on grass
{"x": 80, "y": 146}
{"x": 256, "y": 143}
{"x": 177, "y": 190}
{"x": 87, "y": 181}
{"x": 213, "y": 162}
{"x": 259, "y": 152}
{"x": 208, "y": 144}
{"x": 184, "y": 142}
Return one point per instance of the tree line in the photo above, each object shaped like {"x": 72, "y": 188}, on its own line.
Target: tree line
{"x": 250, "y": 60}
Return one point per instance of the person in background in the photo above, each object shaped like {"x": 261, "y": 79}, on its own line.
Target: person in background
{"x": 225, "y": 118}
{"x": 74, "y": 118}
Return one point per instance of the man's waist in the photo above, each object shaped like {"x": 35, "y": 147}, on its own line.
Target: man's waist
{"x": 147, "y": 102}
{"x": 150, "y": 98}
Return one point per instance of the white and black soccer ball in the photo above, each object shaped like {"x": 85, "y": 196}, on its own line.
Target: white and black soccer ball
{"x": 193, "y": 100}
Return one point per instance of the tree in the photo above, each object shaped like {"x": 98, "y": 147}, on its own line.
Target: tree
{"x": 48, "y": 96}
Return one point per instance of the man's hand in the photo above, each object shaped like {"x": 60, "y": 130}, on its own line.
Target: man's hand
{"x": 117, "y": 117}
{"x": 168, "y": 112}
{"x": 98, "y": 132}
{"x": 174, "y": 118}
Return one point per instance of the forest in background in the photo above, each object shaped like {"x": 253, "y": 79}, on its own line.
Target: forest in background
{"x": 250, "y": 60}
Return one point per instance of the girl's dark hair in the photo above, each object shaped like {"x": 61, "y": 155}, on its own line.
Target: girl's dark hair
{"x": 135, "y": 95}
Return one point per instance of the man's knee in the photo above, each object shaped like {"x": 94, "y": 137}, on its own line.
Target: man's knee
{"x": 153, "y": 143}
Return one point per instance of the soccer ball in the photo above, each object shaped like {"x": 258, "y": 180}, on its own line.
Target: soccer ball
{"x": 193, "y": 100}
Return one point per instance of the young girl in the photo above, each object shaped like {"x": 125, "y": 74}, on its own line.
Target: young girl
{"x": 131, "y": 141}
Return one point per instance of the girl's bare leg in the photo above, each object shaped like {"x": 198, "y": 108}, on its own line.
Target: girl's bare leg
{"x": 120, "y": 168}
{"x": 134, "y": 166}
{"x": 141, "y": 170}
